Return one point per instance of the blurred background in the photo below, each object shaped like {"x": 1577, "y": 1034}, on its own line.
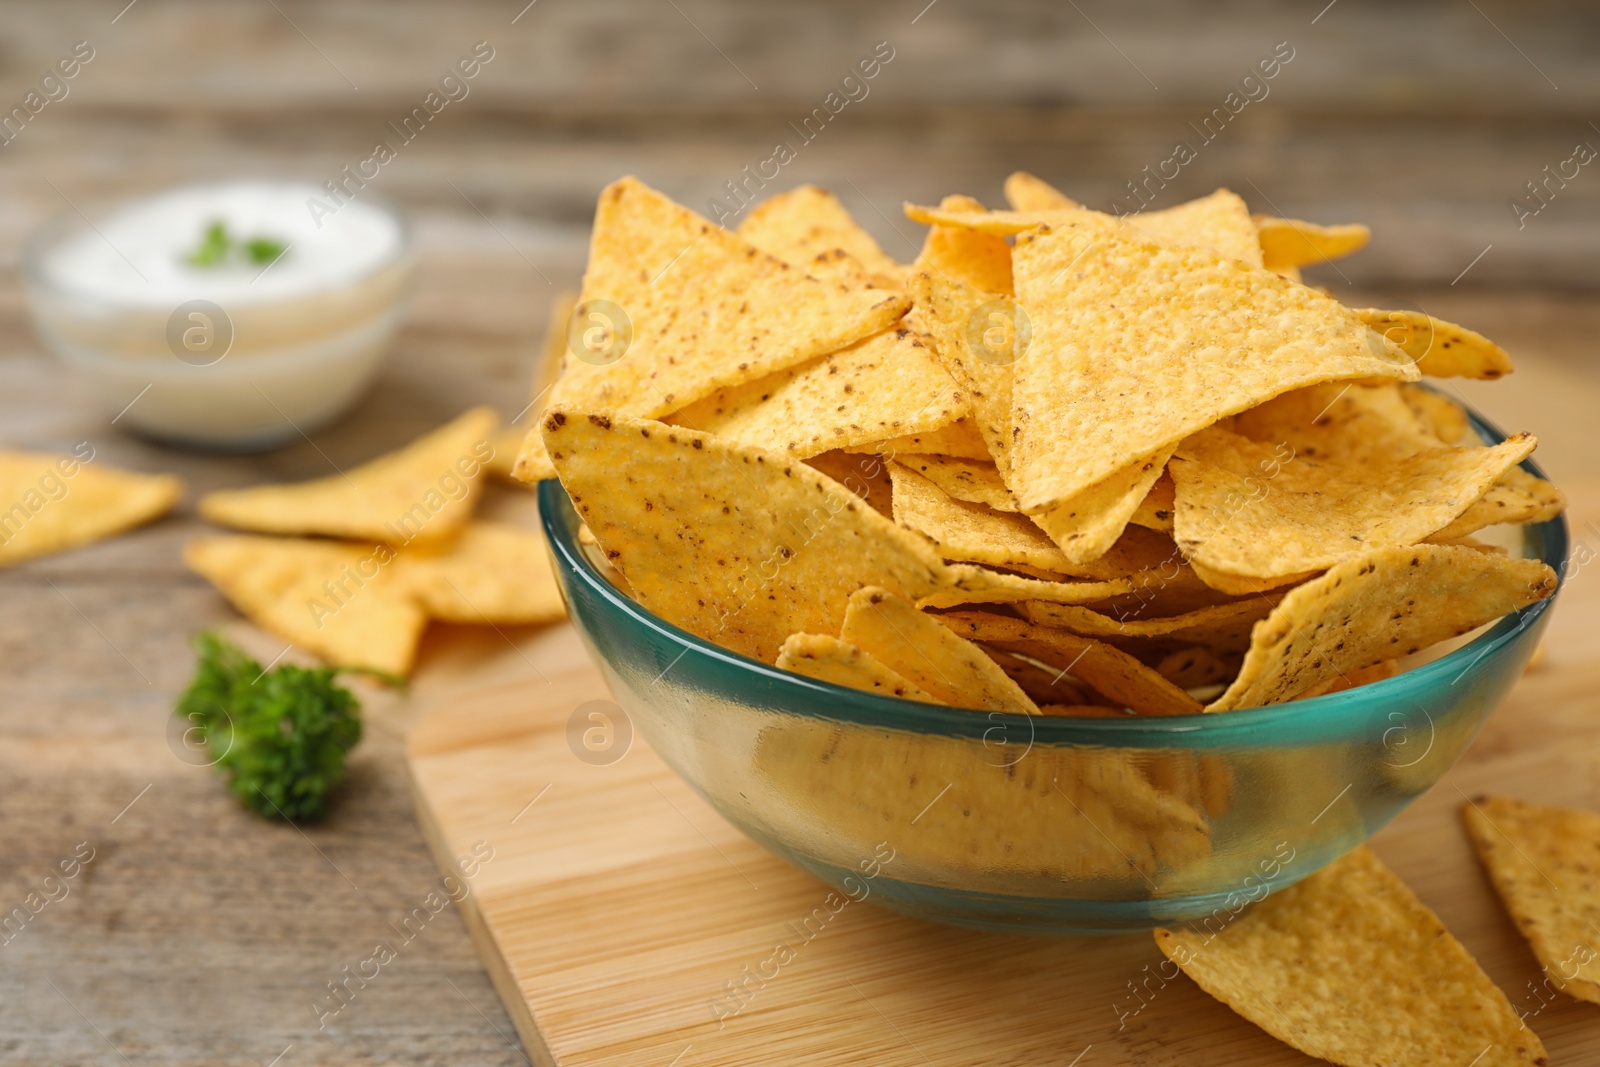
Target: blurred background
{"x": 1460, "y": 130}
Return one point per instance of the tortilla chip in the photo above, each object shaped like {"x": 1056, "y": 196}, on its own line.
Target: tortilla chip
{"x": 960, "y": 440}
{"x": 492, "y": 573}
{"x": 1384, "y": 605}
{"x": 1441, "y": 349}
{"x": 1349, "y": 966}
{"x": 345, "y": 602}
{"x": 740, "y": 546}
{"x": 1442, "y": 417}
{"x": 1159, "y": 342}
{"x": 1342, "y": 422}
{"x": 972, "y": 584}
{"x": 966, "y": 532}
{"x": 976, "y": 813}
{"x": 1087, "y": 525}
{"x": 1220, "y": 627}
{"x": 1289, "y": 243}
{"x": 1113, "y": 673}
{"x": 1155, "y": 510}
{"x": 1024, "y": 192}
{"x": 527, "y": 462}
{"x": 1245, "y": 508}
{"x": 705, "y": 310}
{"x": 1196, "y": 667}
{"x": 1052, "y": 687}
{"x": 956, "y": 315}
{"x": 885, "y": 386}
{"x": 980, "y": 260}
{"x": 865, "y": 475}
{"x": 998, "y": 223}
{"x": 426, "y": 491}
{"x": 1365, "y": 676}
{"x": 1517, "y": 497}
{"x": 52, "y": 503}
{"x": 975, "y": 481}
{"x": 1545, "y": 864}
{"x": 921, "y": 649}
{"x": 803, "y": 223}
{"x": 829, "y": 659}
{"x": 1235, "y": 585}
{"x": 1220, "y": 222}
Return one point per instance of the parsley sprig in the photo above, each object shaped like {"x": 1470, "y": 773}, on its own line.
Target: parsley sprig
{"x": 217, "y": 248}
{"x": 280, "y": 736}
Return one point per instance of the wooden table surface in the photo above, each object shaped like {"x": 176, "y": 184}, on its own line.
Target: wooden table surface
{"x": 202, "y": 935}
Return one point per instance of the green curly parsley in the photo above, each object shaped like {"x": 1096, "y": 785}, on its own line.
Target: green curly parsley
{"x": 280, "y": 736}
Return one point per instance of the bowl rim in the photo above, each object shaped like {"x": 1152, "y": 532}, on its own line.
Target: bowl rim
{"x": 1335, "y": 712}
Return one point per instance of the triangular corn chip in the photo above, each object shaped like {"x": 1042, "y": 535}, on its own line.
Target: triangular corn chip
{"x": 973, "y": 533}
{"x": 1085, "y": 526}
{"x": 1381, "y": 606}
{"x": 1024, "y": 192}
{"x": 864, "y": 474}
{"x": 1113, "y": 344}
{"x": 975, "y": 481}
{"x": 1220, "y": 222}
{"x": 1342, "y": 422}
{"x": 1223, "y": 627}
{"x": 345, "y": 602}
{"x": 1289, "y": 243}
{"x": 1441, "y": 349}
{"x": 884, "y": 386}
{"x": 999, "y": 223}
{"x": 1517, "y": 497}
{"x": 1545, "y": 864}
{"x": 1248, "y": 509}
{"x": 980, "y": 260}
{"x": 829, "y": 659}
{"x": 936, "y": 660}
{"x": 528, "y": 461}
{"x": 55, "y": 502}
{"x": 1044, "y": 686}
{"x": 740, "y": 546}
{"x": 955, "y": 314}
{"x": 1155, "y": 510}
{"x": 960, "y": 439}
{"x": 492, "y": 573}
{"x": 1349, "y": 966}
{"x": 701, "y": 309}
{"x": 1113, "y": 673}
{"x": 425, "y": 491}
{"x": 1442, "y": 417}
{"x": 803, "y": 223}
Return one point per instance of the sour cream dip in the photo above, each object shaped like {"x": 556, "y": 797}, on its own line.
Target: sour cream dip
{"x": 222, "y": 315}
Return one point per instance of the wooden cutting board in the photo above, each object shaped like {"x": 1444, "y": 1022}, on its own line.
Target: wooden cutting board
{"x": 617, "y": 906}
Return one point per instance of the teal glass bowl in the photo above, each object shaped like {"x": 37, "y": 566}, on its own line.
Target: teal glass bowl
{"x": 1027, "y": 823}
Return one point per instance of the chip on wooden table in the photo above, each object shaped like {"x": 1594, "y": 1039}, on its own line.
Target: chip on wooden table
{"x": 828, "y": 659}
{"x": 685, "y": 308}
{"x": 343, "y": 601}
{"x": 740, "y": 546}
{"x": 493, "y": 572}
{"x": 422, "y": 492}
{"x": 1349, "y": 966}
{"x": 49, "y": 503}
{"x": 1545, "y": 864}
{"x": 887, "y": 385}
{"x": 1287, "y": 243}
{"x": 921, "y": 649}
{"x": 1377, "y": 607}
{"x": 1160, "y": 342}
{"x": 806, "y": 222}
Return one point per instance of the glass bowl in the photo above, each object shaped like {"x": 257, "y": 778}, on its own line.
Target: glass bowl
{"x": 1025, "y": 823}
{"x": 247, "y": 359}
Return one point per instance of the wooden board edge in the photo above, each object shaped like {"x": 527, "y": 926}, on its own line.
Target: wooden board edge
{"x": 489, "y": 953}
